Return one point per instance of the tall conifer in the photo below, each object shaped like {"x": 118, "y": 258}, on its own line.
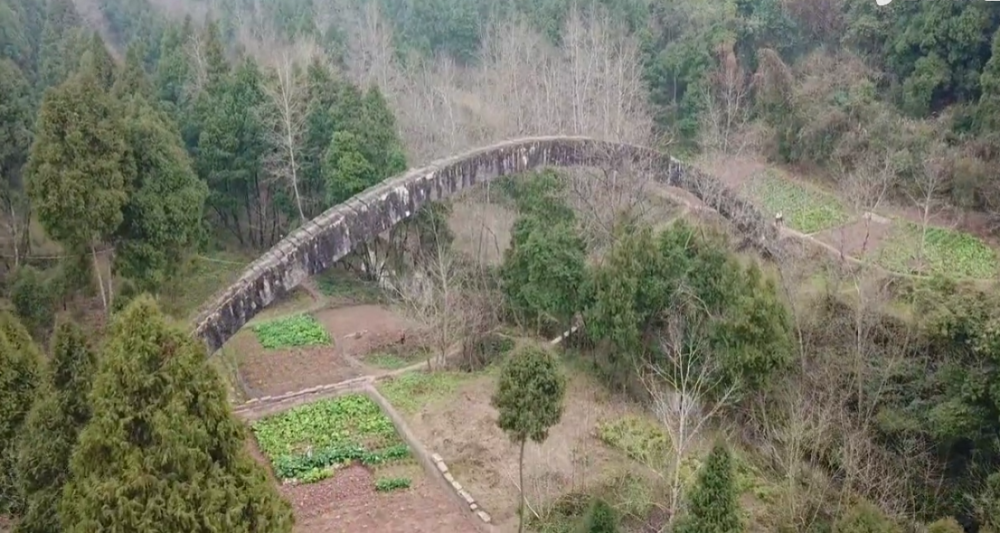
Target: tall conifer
{"x": 713, "y": 505}
{"x": 163, "y": 452}
{"x": 20, "y": 375}
{"x": 52, "y": 428}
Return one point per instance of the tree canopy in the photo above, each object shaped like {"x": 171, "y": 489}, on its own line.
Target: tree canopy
{"x": 162, "y": 451}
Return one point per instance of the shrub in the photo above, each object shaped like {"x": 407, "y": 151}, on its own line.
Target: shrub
{"x": 864, "y": 518}
{"x": 945, "y": 525}
{"x": 482, "y": 351}
{"x": 388, "y": 484}
{"x": 33, "y": 301}
{"x": 713, "y": 505}
{"x": 601, "y": 518}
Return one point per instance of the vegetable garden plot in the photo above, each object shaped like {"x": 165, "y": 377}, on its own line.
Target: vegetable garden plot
{"x": 291, "y": 332}
{"x": 310, "y": 442}
{"x": 947, "y": 253}
{"x": 804, "y": 208}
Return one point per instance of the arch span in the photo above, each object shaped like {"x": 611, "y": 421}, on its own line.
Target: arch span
{"x": 323, "y": 241}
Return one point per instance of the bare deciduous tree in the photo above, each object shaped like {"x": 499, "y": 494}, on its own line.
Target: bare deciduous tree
{"x": 433, "y": 292}
{"x": 371, "y": 52}
{"x": 865, "y": 187}
{"x": 685, "y": 392}
{"x": 727, "y": 109}
{"x": 288, "y": 91}
{"x": 927, "y": 187}
{"x": 14, "y": 216}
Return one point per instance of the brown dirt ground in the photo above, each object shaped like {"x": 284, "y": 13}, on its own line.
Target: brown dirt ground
{"x": 850, "y": 238}
{"x": 355, "y": 331}
{"x": 348, "y": 503}
{"x": 359, "y": 329}
{"x": 273, "y": 372}
{"x": 462, "y": 429}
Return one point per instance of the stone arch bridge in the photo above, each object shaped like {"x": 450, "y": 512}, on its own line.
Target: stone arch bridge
{"x": 331, "y": 236}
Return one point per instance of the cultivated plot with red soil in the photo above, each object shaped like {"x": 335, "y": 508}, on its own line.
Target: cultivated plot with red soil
{"x": 348, "y": 503}
{"x": 355, "y": 330}
{"x": 272, "y": 372}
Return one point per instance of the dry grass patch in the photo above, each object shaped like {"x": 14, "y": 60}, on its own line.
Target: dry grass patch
{"x": 450, "y": 413}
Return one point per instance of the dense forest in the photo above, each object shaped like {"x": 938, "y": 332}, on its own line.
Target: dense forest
{"x": 141, "y": 138}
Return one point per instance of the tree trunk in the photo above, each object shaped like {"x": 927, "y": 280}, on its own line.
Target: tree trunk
{"x": 520, "y": 467}
{"x": 100, "y": 278}
{"x": 111, "y": 278}
{"x": 295, "y": 179}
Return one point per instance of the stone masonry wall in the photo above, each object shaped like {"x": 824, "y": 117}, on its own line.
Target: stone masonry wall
{"x": 328, "y": 238}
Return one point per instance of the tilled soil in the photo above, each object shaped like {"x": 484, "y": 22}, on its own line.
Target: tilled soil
{"x": 272, "y": 373}
{"x": 348, "y": 503}
{"x": 355, "y": 330}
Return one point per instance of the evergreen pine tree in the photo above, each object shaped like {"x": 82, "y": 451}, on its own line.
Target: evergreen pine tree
{"x": 529, "y": 397}
{"x": 173, "y": 70}
{"x": 97, "y": 61}
{"x": 131, "y": 80}
{"x": 16, "y": 120}
{"x": 163, "y": 452}
{"x": 163, "y": 216}
{"x": 62, "y": 37}
{"x": 601, "y": 518}
{"x": 713, "y": 505}
{"x": 79, "y": 168}
{"x": 20, "y": 375}
{"x": 51, "y": 430}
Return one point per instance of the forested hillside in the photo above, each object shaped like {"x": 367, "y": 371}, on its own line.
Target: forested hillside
{"x": 150, "y": 148}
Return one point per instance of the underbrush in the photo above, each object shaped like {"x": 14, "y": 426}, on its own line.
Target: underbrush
{"x": 340, "y": 284}
{"x": 291, "y": 332}
{"x": 633, "y": 499}
{"x": 310, "y": 442}
{"x": 200, "y": 278}
{"x": 411, "y": 391}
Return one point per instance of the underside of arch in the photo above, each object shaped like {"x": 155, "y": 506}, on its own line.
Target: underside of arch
{"x": 317, "y": 245}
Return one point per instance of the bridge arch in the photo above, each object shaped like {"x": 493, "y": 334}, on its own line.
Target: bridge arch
{"x": 331, "y": 236}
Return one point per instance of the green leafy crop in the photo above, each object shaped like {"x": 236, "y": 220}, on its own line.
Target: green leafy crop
{"x": 308, "y": 442}
{"x": 946, "y": 253}
{"x": 804, "y": 209}
{"x": 292, "y": 331}
{"x": 387, "y": 484}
